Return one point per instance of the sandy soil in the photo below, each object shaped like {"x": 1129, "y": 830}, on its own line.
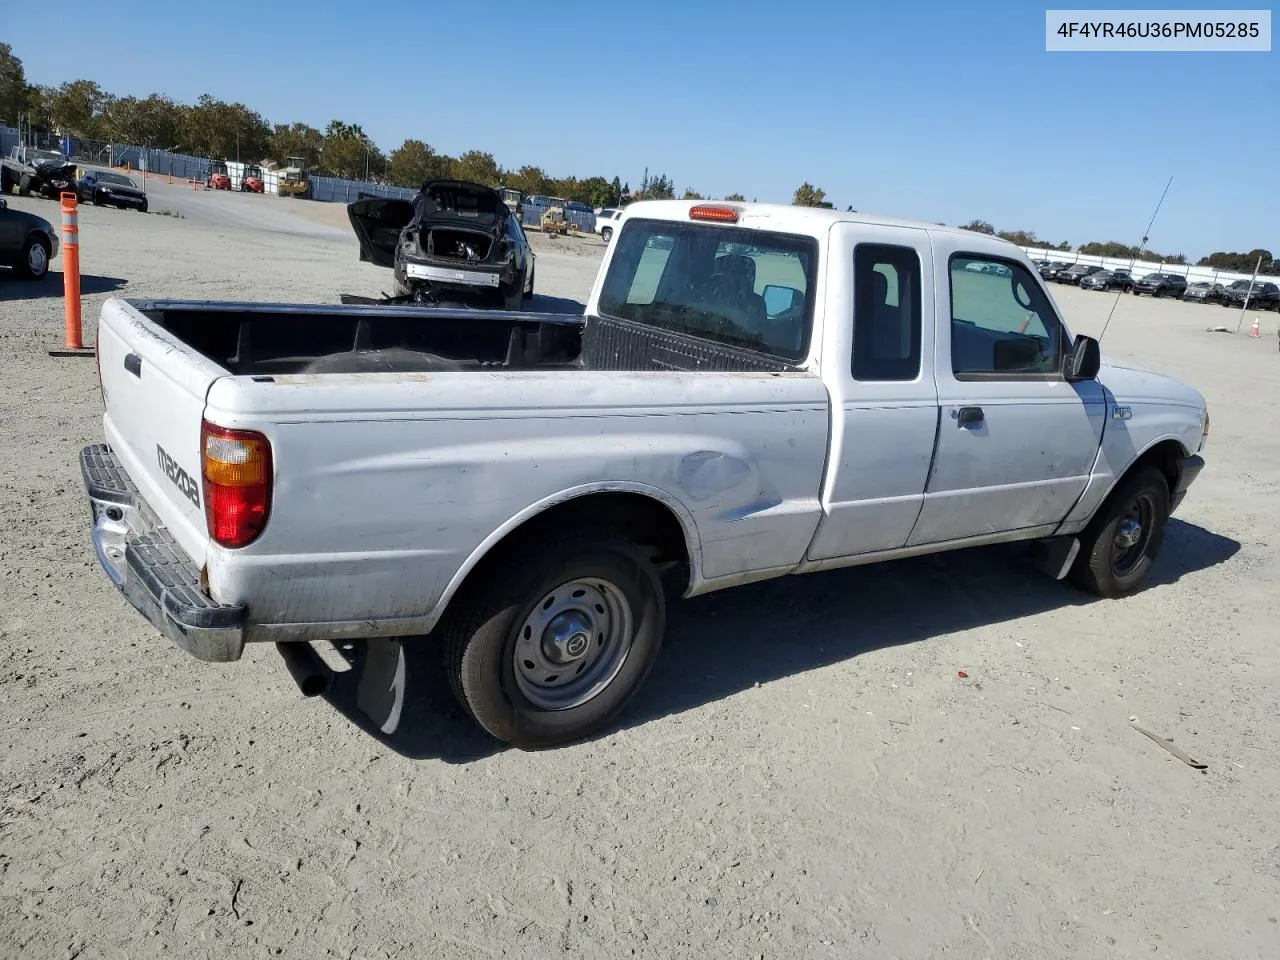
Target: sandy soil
{"x": 804, "y": 775}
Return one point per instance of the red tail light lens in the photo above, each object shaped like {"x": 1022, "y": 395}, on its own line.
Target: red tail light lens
{"x": 715, "y": 214}
{"x": 237, "y": 471}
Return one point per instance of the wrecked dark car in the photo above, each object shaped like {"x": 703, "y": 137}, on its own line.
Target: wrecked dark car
{"x": 455, "y": 242}
{"x": 43, "y": 172}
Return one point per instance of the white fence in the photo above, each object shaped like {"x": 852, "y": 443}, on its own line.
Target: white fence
{"x": 1140, "y": 268}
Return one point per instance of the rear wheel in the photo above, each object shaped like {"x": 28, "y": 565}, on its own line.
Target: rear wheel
{"x": 528, "y": 294}
{"x": 1119, "y": 546}
{"x": 24, "y": 185}
{"x": 606, "y": 234}
{"x": 548, "y": 648}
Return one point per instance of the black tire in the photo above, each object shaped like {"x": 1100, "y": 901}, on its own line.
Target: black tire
{"x": 31, "y": 266}
{"x": 1107, "y": 567}
{"x": 24, "y": 185}
{"x": 606, "y": 234}
{"x": 528, "y": 294}
{"x": 491, "y": 647}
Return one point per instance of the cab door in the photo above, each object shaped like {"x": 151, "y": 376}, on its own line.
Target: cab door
{"x": 878, "y": 341}
{"x": 1016, "y": 440}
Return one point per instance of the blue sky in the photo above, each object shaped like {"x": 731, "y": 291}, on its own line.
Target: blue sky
{"x": 941, "y": 112}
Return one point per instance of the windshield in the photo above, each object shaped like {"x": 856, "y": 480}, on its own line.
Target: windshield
{"x": 103, "y": 176}
{"x": 742, "y": 288}
{"x": 46, "y": 155}
{"x": 1240, "y": 285}
{"x": 1152, "y": 277}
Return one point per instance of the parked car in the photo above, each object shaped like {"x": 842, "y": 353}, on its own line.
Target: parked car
{"x": 46, "y": 173}
{"x": 1161, "y": 285}
{"x": 1074, "y": 274}
{"x": 1202, "y": 291}
{"x": 520, "y": 508}
{"x": 1107, "y": 280}
{"x": 607, "y": 222}
{"x": 454, "y": 238}
{"x": 106, "y": 188}
{"x": 1263, "y": 296}
{"x": 27, "y": 243}
{"x": 1050, "y": 270}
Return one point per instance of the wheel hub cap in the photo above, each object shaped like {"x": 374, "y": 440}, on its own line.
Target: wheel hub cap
{"x": 572, "y": 643}
{"x": 1128, "y": 534}
{"x": 567, "y": 638}
{"x": 36, "y": 258}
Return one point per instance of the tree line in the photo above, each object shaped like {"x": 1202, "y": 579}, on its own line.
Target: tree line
{"x": 214, "y": 128}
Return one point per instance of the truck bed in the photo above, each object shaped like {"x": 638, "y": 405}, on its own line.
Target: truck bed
{"x": 266, "y": 339}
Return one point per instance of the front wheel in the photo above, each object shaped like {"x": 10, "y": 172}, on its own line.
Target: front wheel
{"x": 528, "y": 294}
{"x": 33, "y": 263}
{"x": 1119, "y": 546}
{"x": 606, "y": 234}
{"x": 549, "y": 647}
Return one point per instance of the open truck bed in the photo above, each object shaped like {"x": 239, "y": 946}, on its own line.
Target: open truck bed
{"x": 266, "y": 339}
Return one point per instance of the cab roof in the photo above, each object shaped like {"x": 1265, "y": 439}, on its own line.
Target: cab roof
{"x": 794, "y": 219}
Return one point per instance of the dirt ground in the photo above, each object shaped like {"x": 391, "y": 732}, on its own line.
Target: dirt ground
{"x": 806, "y": 773}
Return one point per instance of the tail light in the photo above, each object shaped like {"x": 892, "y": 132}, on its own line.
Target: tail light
{"x": 716, "y": 214}
{"x": 237, "y": 471}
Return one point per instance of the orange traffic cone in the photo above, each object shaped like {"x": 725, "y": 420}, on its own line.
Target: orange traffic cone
{"x": 1253, "y": 331}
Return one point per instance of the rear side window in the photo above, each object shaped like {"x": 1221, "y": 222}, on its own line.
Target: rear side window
{"x": 886, "y": 313}
{"x": 740, "y": 287}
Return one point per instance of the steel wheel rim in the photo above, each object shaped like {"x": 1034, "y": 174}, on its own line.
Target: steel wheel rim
{"x": 36, "y": 259}
{"x": 1133, "y": 533}
{"x": 572, "y": 644}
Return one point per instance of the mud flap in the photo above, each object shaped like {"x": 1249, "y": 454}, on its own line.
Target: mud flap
{"x": 1055, "y": 555}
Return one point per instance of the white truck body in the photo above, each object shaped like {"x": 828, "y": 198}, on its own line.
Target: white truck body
{"x": 388, "y": 488}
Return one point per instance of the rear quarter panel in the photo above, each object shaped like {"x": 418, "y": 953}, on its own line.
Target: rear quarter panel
{"x": 389, "y": 487}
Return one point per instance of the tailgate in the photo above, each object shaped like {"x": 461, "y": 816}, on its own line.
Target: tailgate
{"x": 154, "y": 388}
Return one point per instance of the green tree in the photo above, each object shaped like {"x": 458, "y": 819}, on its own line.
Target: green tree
{"x": 414, "y": 162}
{"x": 478, "y": 167}
{"x": 295, "y": 140}
{"x": 1023, "y": 238}
{"x": 692, "y": 194}
{"x": 595, "y": 192}
{"x": 979, "y": 226}
{"x": 530, "y": 180}
{"x": 156, "y": 121}
{"x": 1242, "y": 262}
{"x": 77, "y": 108}
{"x": 736, "y": 196}
{"x": 660, "y": 187}
{"x": 13, "y": 86}
{"x": 807, "y": 195}
{"x": 215, "y": 128}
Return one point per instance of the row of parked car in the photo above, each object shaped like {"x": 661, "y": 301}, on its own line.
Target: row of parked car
{"x": 1260, "y": 294}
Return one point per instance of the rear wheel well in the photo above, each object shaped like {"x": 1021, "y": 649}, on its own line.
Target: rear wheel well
{"x": 647, "y": 522}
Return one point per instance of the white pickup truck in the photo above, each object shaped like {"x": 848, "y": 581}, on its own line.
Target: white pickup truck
{"x": 754, "y": 391}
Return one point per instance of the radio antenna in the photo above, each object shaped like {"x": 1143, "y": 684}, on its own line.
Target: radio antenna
{"x": 1146, "y": 234}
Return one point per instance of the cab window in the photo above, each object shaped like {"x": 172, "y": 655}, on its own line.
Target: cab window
{"x": 1002, "y": 323}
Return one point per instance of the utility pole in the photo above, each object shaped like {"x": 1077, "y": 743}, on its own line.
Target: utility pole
{"x": 1249, "y": 293}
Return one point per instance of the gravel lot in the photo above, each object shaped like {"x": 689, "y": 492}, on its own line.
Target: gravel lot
{"x": 804, "y": 775}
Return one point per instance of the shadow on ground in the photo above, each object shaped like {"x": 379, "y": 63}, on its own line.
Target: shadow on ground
{"x": 726, "y": 642}
{"x": 51, "y": 285}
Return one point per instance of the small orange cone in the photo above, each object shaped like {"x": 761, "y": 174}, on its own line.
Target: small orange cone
{"x": 1254, "y": 331}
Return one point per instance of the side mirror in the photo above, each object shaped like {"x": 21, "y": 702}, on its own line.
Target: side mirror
{"x": 1083, "y": 360}
{"x": 778, "y": 299}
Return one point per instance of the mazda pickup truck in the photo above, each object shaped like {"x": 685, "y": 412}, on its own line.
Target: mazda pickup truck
{"x": 752, "y": 391}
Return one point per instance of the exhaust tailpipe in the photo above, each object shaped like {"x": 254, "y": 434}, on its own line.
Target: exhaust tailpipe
{"x": 309, "y": 672}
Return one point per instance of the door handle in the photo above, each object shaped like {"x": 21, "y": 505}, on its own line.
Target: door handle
{"x": 133, "y": 363}
{"x": 968, "y": 416}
